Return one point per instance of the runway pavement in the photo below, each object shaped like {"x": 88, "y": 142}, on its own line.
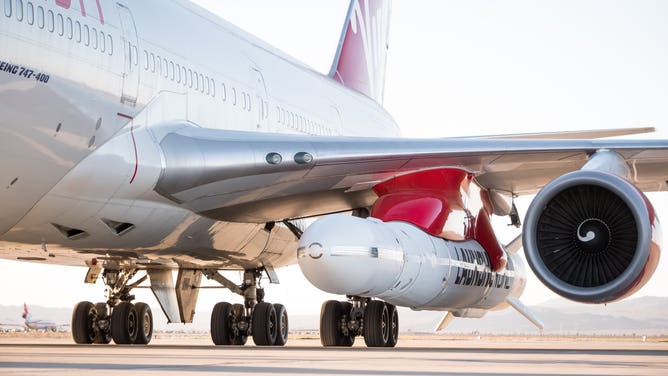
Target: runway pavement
{"x": 465, "y": 356}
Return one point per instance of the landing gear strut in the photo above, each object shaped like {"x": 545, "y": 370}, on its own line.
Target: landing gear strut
{"x": 127, "y": 324}
{"x": 341, "y": 322}
{"x": 231, "y": 324}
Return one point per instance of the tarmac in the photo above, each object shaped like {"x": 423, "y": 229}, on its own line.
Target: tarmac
{"x": 194, "y": 355}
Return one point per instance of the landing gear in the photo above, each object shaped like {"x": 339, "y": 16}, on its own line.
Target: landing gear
{"x": 264, "y": 324}
{"x": 102, "y": 324}
{"x": 145, "y": 324}
{"x": 334, "y": 319}
{"x": 225, "y": 324}
{"x": 393, "y": 336}
{"x": 124, "y": 323}
{"x": 341, "y": 322}
{"x": 83, "y": 321}
{"x": 282, "y": 325}
{"x": 127, "y": 324}
{"x": 232, "y": 324}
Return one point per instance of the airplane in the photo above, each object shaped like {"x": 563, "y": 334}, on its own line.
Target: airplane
{"x": 38, "y": 324}
{"x": 35, "y": 324}
{"x": 137, "y": 149}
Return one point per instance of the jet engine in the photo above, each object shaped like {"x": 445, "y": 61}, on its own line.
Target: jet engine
{"x": 592, "y": 236}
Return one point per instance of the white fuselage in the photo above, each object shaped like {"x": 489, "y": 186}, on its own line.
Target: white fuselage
{"x": 71, "y": 155}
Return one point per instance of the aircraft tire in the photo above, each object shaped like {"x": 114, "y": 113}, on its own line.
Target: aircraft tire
{"x": 124, "y": 323}
{"x": 393, "y": 331}
{"x": 264, "y": 324}
{"x": 221, "y": 319}
{"x": 376, "y": 324}
{"x": 82, "y": 323}
{"x": 282, "y": 322}
{"x": 330, "y": 317}
{"x": 145, "y": 324}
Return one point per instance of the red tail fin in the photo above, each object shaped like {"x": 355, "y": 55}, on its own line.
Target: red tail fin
{"x": 25, "y": 310}
{"x": 362, "y": 54}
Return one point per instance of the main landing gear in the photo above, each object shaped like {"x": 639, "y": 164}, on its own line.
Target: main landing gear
{"x": 231, "y": 324}
{"x": 118, "y": 318}
{"x": 341, "y": 322}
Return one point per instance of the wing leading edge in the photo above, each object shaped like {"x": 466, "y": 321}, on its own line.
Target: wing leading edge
{"x": 258, "y": 177}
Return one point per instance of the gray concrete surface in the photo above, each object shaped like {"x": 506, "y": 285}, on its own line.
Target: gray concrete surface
{"x": 462, "y": 356}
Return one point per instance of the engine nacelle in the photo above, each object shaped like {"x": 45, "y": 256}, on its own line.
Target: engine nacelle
{"x": 403, "y": 265}
{"x": 591, "y": 236}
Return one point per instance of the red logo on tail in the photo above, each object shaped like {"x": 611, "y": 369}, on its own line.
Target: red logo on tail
{"x": 361, "y": 60}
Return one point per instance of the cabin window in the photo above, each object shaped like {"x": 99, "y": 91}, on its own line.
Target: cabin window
{"x": 171, "y": 70}
{"x": 110, "y": 44}
{"x": 195, "y": 80}
{"x": 213, "y": 87}
{"x": 40, "y": 17}
{"x": 234, "y": 96}
{"x": 223, "y": 92}
{"x": 177, "y": 74}
{"x": 152, "y": 60}
{"x": 165, "y": 67}
{"x": 19, "y": 10}
{"x": 93, "y": 38}
{"x": 206, "y": 85}
{"x": 60, "y": 24}
{"x": 201, "y": 81}
{"x": 77, "y": 32}
{"x": 145, "y": 60}
{"x": 69, "y": 28}
{"x": 8, "y": 8}
{"x": 103, "y": 42}
{"x": 86, "y": 35}
{"x": 30, "y": 13}
{"x": 50, "y": 21}
{"x": 184, "y": 76}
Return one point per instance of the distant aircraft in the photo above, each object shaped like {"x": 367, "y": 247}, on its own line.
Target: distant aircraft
{"x": 38, "y": 324}
{"x": 143, "y": 137}
{"x": 35, "y": 324}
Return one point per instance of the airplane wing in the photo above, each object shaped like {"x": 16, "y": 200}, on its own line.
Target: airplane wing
{"x": 256, "y": 177}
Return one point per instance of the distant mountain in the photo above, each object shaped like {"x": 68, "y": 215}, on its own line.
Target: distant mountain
{"x": 640, "y": 316}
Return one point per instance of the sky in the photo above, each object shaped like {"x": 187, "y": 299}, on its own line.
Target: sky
{"x": 455, "y": 68}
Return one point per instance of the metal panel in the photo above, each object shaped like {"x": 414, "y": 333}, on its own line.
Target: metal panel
{"x": 162, "y": 285}
{"x": 131, "y": 51}
{"x": 187, "y": 291}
